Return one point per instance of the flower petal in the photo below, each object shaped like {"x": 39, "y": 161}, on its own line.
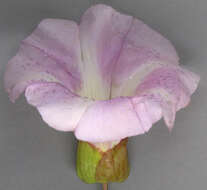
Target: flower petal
{"x": 58, "y": 107}
{"x": 59, "y": 39}
{"x": 161, "y": 94}
{"x": 144, "y": 53}
{"x": 117, "y": 118}
{"x": 50, "y": 53}
{"x": 163, "y": 91}
{"x": 168, "y": 84}
{"x": 143, "y": 50}
{"x": 102, "y": 33}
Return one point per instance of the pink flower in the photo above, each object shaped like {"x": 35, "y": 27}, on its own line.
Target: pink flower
{"x": 108, "y": 78}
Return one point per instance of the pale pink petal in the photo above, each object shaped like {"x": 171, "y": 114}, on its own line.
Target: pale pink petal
{"x": 160, "y": 94}
{"x": 148, "y": 64}
{"x": 59, "y": 39}
{"x": 189, "y": 79}
{"x": 143, "y": 50}
{"x": 117, "y": 118}
{"x": 58, "y": 107}
{"x": 149, "y": 110}
{"x": 50, "y": 53}
{"x": 170, "y": 87}
{"x": 102, "y": 34}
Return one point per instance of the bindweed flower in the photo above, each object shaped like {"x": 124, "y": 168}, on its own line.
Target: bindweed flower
{"x": 106, "y": 79}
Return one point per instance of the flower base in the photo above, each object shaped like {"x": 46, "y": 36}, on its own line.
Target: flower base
{"x": 97, "y": 166}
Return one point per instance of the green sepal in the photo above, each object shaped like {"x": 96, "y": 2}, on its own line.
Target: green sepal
{"x": 87, "y": 161}
{"x": 95, "y": 166}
